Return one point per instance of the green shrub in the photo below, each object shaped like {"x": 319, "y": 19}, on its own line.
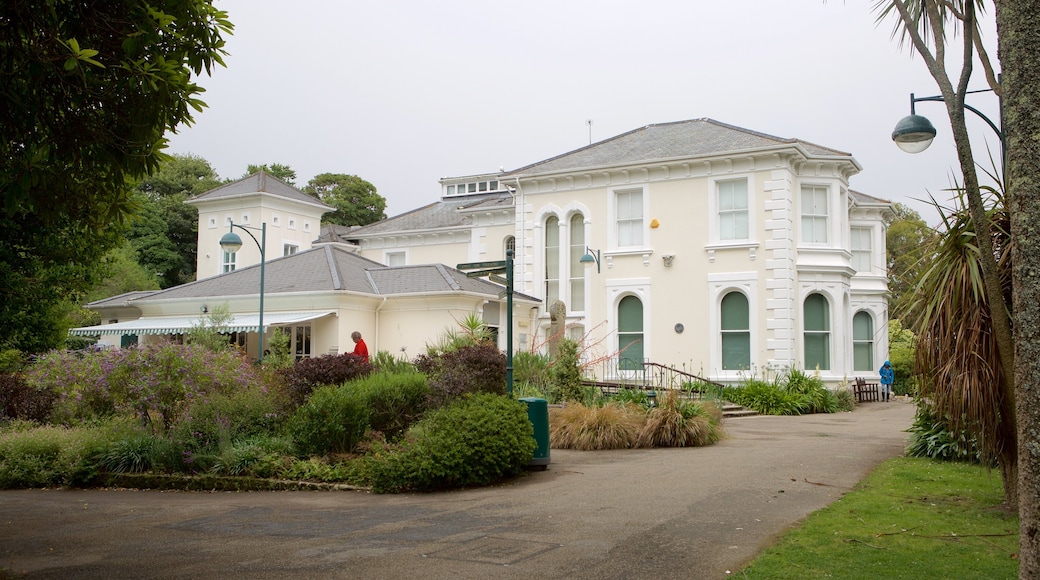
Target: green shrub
{"x": 930, "y": 436}
{"x": 765, "y": 398}
{"x": 385, "y": 362}
{"x": 635, "y": 396}
{"x": 846, "y": 400}
{"x": 328, "y": 370}
{"x": 333, "y": 420}
{"x": 531, "y": 368}
{"x": 469, "y": 368}
{"x": 812, "y": 395}
{"x": 394, "y": 400}
{"x": 565, "y": 372}
{"x": 12, "y": 360}
{"x": 577, "y": 426}
{"x": 47, "y": 456}
{"x": 258, "y": 456}
{"x": 680, "y": 422}
{"x": 476, "y": 440}
{"x": 224, "y": 418}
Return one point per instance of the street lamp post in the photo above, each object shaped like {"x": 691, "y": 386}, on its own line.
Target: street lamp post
{"x": 231, "y": 243}
{"x": 915, "y": 133}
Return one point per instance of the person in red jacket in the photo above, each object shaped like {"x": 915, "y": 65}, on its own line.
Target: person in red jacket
{"x": 360, "y": 348}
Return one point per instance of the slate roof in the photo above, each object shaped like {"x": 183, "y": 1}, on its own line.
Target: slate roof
{"x": 121, "y": 299}
{"x": 260, "y": 182}
{"x": 329, "y": 269}
{"x": 664, "y": 141}
{"x": 449, "y": 212}
{"x": 864, "y": 199}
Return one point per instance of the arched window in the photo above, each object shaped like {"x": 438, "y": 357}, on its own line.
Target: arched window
{"x": 577, "y": 250}
{"x": 552, "y": 260}
{"x": 630, "y": 334}
{"x": 511, "y": 244}
{"x": 863, "y": 342}
{"x": 736, "y": 332}
{"x": 817, "y": 324}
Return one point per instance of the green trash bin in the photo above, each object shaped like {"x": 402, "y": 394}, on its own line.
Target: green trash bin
{"x": 538, "y": 414}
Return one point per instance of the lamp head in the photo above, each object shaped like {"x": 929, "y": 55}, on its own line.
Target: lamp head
{"x": 587, "y": 259}
{"x": 913, "y": 133}
{"x": 231, "y": 242}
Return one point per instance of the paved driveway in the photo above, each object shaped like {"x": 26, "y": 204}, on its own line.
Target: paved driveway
{"x": 656, "y": 513}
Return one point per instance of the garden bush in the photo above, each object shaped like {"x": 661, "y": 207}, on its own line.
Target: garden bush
{"x": 394, "y": 400}
{"x": 47, "y": 456}
{"x": 302, "y": 378}
{"x": 635, "y": 396}
{"x": 813, "y": 396}
{"x": 765, "y": 398}
{"x": 385, "y": 362}
{"x": 19, "y": 400}
{"x": 577, "y": 426}
{"x": 333, "y": 420}
{"x": 680, "y": 422}
{"x": 224, "y": 418}
{"x": 930, "y": 436}
{"x": 565, "y": 372}
{"x": 155, "y": 382}
{"x": 473, "y": 368}
{"x": 476, "y": 440}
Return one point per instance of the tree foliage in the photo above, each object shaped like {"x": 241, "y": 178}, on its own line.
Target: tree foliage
{"x": 282, "y": 172}
{"x": 88, "y": 92}
{"x": 356, "y": 201}
{"x": 905, "y": 240}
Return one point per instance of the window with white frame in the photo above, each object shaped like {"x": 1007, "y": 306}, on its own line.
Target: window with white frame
{"x": 862, "y": 342}
{"x": 395, "y": 259}
{"x": 577, "y": 270}
{"x": 628, "y": 205}
{"x": 736, "y": 332}
{"x": 552, "y": 260}
{"x": 290, "y": 249}
{"x": 212, "y": 222}
{"x": 511, "y": 244}
{"x": 817, "y": 332}
{"x": 292, "y": 224}
{"x": 814, "y": 214}
{"x": 228, "y": 263}
{"x": 861, "y": 249}
{"x": 300, "y": 341}
{"x": 733, "y": 209}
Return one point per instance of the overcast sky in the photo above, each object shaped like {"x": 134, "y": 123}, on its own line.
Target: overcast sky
{"x": 404, "y": 93}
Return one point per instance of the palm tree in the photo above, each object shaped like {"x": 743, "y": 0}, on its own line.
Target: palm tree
{"x": 926, "y": 25}
{"x": 956, "y": 343}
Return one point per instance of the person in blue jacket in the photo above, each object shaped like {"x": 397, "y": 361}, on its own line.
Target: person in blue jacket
{"x": 888, "y": 376}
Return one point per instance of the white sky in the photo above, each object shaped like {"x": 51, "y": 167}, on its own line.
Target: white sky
{"x": 403, "y": 93}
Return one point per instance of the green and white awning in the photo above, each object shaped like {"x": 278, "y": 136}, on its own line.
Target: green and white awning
{"x": 184, "y": 324}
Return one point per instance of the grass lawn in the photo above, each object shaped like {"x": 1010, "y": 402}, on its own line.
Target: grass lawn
{"x": 911, "y": 518}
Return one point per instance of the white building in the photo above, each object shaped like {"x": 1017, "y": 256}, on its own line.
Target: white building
{"x": 708, "y": 247}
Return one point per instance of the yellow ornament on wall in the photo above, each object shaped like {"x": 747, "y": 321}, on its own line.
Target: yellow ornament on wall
{"x": 654, "y": 223}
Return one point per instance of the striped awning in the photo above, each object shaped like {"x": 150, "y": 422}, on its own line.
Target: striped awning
{"x": 183, "y": 324}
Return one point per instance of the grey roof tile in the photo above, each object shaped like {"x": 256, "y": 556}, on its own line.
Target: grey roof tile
{"x": 663, "y": 141}
{"x": 449, "y": 212}
{"x": 260, "y": 182}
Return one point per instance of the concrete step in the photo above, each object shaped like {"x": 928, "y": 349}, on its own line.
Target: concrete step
{"x": 732, "y": 410}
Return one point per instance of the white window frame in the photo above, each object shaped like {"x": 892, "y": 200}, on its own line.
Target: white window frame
{"x": 642, "y": 221}
{"x": 212, "y": 222}
{"x": 862, "y": 258}
{"x": 715, "y": 211}
{"x": 577, "y": 281}
{"x": 870, "y": 342}
{"x": 810, "y": 213}
{"x": 718, "y": 286}
{"x": 390, "y": 254}
{"x": 831, "y": 331}
{"x": 546, "y": 278}
{"x": 290, "y": 248}
{"x": 618, "y": 289}
{"x": 228, "y": 262}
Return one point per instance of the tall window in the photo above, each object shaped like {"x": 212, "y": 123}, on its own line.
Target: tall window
{"x": 814, "y": 214}
{"x": 736, "y": 332}
{"x": 629, "y": 204}
{"x": 861, "y": 250}
{"x": 630, "y": 334}
{"x": 733, "y": 210}
{"x": 552, "y": 260}
{"x": 511, "y": 244}
{"x": 577, "y": 250}
{"x": 816, "y": 313}
{"x": 229, "y": 262}
{"x": 863, "y": 342}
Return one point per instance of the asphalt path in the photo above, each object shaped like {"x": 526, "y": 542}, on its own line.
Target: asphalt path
{"x": 648, "y": 513}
